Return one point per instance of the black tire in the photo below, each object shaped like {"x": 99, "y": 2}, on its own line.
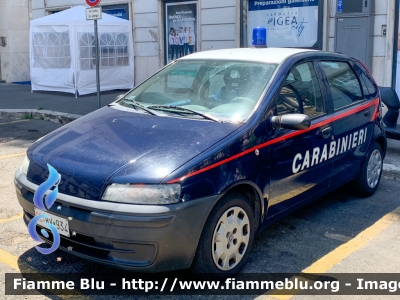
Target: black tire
{"x": 203, "y": 262}
{"x": 364, "y": 186}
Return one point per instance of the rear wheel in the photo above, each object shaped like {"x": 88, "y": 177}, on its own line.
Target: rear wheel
{"x": 371, "y": 172}
{"x": 227, "y": 237}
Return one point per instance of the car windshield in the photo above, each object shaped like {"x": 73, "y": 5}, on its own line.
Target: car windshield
{"x": 208, "y": 89}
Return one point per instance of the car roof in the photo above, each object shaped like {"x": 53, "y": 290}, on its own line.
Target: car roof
{"x": 264, "y": 55}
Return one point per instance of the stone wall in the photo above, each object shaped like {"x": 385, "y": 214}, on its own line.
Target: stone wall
{"x": 219, "y": 28}
{"x": 382, "y": 53}
{"x": 14, "y": 26}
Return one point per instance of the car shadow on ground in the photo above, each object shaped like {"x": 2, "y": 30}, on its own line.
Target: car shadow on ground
{"x": 296, "y": 241}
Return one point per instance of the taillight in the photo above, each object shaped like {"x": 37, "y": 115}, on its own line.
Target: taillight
{"x": 377, "y": 110}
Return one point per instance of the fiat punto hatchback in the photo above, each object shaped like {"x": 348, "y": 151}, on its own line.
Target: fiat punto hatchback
{"x": 185, "y": 169}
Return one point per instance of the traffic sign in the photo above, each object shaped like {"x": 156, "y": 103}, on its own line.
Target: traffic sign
{"x": 93, "y": 2}
{"x": 93, "y": 13}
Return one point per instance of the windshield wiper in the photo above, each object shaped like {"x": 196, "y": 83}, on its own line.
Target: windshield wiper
{"x": 183, "y": 109}
{"x": 137, "y": 105}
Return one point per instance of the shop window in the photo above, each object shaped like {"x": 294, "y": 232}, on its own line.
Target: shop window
{"x": 51, "y": 50}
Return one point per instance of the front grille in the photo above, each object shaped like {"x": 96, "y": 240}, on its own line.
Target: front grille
{"x": 129, "y": 254}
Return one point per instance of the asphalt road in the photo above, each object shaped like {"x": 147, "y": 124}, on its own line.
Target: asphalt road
{"x": 15, "y": 96}
{"x": 337, "y": 233}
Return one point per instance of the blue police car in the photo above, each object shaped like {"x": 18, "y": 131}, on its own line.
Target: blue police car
{"x": 185, "y": 169}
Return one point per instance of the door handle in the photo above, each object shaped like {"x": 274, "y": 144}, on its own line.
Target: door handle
{"x": 367, "y": 113}
{"x": 326, "y": 132}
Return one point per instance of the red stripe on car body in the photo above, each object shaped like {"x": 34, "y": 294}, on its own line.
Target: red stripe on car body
{"x": 286, "y": 136}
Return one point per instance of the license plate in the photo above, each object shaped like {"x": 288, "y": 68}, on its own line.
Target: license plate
{"x": 60, "y": 223}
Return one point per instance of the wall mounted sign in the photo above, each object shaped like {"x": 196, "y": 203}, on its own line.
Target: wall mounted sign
{"x": 116, "y": 12}
{"x": 181, "y": 29}
{"x": 289, "y": 23}
{"x": 93, "y": 13}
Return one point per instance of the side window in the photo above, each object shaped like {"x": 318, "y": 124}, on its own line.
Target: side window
{"x": 344, "y": 85}
{"x": 301, "y": 92}
{"x": 369, "y": 83}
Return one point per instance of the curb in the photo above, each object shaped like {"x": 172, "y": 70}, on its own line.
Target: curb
{"x": 47, "y": 115}
{"x": 390, "y": 170}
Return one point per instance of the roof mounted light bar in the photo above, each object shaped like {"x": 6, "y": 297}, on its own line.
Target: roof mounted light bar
{"x": 259, "y": 37}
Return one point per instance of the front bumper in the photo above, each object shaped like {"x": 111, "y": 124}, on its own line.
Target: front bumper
{"x": 146, "y": 238}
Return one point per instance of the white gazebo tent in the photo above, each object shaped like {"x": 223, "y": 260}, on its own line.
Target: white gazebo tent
{"x": 62, "y": 53}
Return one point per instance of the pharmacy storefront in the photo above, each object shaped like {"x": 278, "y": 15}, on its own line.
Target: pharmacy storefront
{"x": 191, "y": 26}
{"x": 289, "y": 23}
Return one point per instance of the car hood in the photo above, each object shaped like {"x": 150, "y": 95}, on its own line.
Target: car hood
{"x": 113, "y": 145}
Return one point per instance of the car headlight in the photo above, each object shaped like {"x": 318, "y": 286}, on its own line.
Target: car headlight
{"x": 143, "y": 193}
{"x": 25, "y": 166}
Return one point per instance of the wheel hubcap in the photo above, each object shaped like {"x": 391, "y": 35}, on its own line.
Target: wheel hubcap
{"x": 374, "y": 169}
{"x": 231, "y": 238}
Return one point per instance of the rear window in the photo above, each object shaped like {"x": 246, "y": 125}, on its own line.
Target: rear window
{"x": 343, "y": 82}
{"x": 367, "y": 83}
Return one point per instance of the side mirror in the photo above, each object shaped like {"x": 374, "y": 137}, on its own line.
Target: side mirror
{"x": 119, "y": 97}
{"x": 291, "y": 121}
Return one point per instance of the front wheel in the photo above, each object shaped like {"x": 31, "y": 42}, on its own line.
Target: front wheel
{"x": 227, "y": 238}
{"x": 370, "y": 172}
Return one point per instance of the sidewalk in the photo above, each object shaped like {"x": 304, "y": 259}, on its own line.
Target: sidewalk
{"x": 16, "y": 96}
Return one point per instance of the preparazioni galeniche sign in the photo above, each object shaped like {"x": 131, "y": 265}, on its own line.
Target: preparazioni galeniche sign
{"x": 283, "y": 2}
{"x": 314, "y": 157}
{"x": 289, "y": 23}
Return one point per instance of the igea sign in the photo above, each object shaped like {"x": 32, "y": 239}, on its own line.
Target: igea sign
{"x": 93, "y": 2}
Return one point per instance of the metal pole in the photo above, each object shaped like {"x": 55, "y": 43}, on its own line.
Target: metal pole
{"x": 395, "y": 43}
{"x": 96, "y": 40}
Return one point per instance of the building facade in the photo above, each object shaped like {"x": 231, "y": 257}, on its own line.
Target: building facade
{"x": 164, "y": 29}
{"x": 14, "y": 40}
